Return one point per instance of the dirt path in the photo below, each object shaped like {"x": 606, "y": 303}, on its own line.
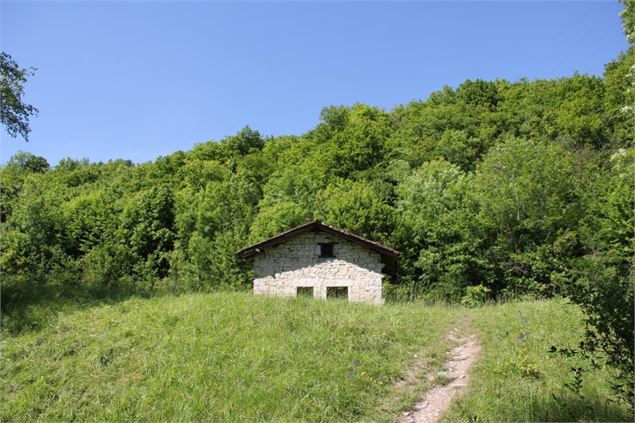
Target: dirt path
{"x": 438, "y": 399}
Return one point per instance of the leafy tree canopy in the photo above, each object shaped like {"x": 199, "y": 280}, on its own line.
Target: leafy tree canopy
{"x": 14, "y": 113}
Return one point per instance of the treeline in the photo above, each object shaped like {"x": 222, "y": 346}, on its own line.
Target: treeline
{"x": 512, "y": 187}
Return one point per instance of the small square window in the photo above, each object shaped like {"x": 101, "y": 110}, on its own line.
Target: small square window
{"x": 304, "y": 291}
{"x": 326, "y": 249}
{"x": 337, "y": 292}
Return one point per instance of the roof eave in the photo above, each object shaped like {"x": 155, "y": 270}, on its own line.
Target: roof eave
{"x": 252, "y": 250}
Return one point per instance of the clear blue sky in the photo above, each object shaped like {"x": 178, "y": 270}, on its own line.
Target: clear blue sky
{"x": 136, "y": 80}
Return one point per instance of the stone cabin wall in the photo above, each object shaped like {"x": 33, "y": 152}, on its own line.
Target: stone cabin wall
{"x": 281, "y": 269}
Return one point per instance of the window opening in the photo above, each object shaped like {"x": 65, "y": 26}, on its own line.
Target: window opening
{"x": 337, "y": 292}
{"x": 304, "y": 291}
{"x": 326, "y": 249}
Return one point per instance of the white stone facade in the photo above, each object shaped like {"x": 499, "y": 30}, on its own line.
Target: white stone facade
{"x": 281, "y": 269}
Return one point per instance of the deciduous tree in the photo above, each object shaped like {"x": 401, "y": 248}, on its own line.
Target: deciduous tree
{"x": 14, "y": 112}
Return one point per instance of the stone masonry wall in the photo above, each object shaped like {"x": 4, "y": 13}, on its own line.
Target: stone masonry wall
{"x": 296, "y": 263}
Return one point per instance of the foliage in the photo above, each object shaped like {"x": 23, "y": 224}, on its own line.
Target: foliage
{"x": 619, "y": 103}
{"x": 357, "y": 207}
{"x": 529, "y": 209}
{"x": 628, "y": 20}
{"x": 14, "y": 113}
{"x": 438, "y": 228}
{"x": 603, "y": 278}
{"x": 475, "y": 295}
{"x": 12, "y": 179}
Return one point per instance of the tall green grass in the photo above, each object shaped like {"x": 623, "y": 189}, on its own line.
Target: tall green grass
{"x": 518, "y": 379}
{"x": 236, "y": 357}
{"x": 223, "y": 357}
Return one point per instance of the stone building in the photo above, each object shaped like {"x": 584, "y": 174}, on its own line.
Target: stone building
{"x": 321, "y": 261}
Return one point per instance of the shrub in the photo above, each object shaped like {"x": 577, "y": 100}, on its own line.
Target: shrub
{"x": 475, "y": 295}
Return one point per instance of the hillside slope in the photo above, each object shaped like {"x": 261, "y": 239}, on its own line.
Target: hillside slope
{"x": 214, "y": 357}
{"x": 235, "y": 357}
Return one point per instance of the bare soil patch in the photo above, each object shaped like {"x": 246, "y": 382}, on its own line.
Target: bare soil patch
{"x": 449, "y": 384}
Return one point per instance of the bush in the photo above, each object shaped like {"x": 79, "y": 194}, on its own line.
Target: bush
{"x": 475, "y": 295}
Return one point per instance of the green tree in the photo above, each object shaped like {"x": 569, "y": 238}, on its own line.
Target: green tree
{"x": 619, "y": 99}
{"x": 147, "y": 230}
{"x": 357, "y": 207}
{"x": 360, "y": 143}
{"x": 459, "y": 148}
{"x": 602, "y": 280}
{"x": 14, "y": 113}
{"x": 529, "y": 207}
{"x": 479, "y": 93}
{"x": 276, "y": 218}
{"x": 28, "y": 163}
{"x": 32, "y": 247}
{"x": 438, "y": 231}
{"x": 628, "y": 20}
{"x": 12, "y": 177}
{"x": 567, "y": 111}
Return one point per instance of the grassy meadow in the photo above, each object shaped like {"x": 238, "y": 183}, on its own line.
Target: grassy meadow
{"x": 236, "y": 357}
{"x": 518, "y": 379}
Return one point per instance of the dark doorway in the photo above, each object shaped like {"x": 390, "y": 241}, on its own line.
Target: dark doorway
{"x": 340, "y": 292}
{"x": 304, "y": 291}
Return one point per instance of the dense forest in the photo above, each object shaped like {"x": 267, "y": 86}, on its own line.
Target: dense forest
{"x": 516, "y": 187}
{"x": 490, "y": 190}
